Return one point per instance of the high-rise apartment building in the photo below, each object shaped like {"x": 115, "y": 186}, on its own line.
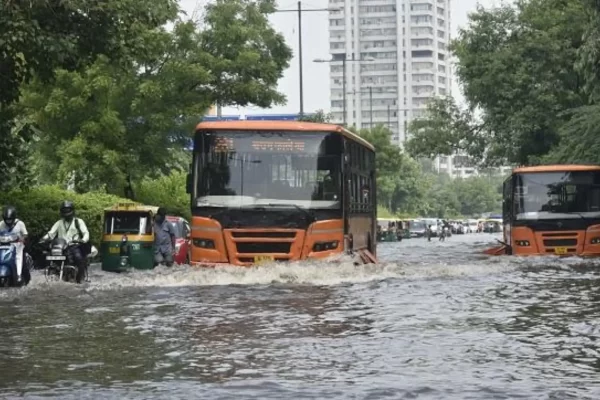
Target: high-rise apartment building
{"x": 396, "y": 59}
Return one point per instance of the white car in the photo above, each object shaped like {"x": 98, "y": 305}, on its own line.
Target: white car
{"x": 433, "y": 223}
{"x": 472, "y": 226}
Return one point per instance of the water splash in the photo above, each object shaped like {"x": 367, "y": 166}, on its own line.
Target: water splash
{"x": 414, "y": 259}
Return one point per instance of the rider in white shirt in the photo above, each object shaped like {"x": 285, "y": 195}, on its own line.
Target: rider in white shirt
{"x": 70, "y": 228}
{"x": 11, "y": 224}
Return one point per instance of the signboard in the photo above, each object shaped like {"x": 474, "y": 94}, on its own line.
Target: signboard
{"x": 264, "y": 142}
{"x": 223, "y": 144}
{"x": 278, "y": 145}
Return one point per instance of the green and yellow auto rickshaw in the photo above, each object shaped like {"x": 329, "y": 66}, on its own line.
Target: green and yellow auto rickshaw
{"x": 128, "y": 237}
{"x": 404, "y": 229}
{"x": 386, "y": 230}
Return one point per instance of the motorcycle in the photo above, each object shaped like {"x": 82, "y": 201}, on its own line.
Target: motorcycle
{"x": 11, "y": 260}
{"x": 60, "y": 265}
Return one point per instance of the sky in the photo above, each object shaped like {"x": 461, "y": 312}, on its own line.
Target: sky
{"x": 315, "y": 44}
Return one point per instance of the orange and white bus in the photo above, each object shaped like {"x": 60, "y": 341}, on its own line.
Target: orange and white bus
{"x": 280, "y": 191}
{"x": 552, "y": 210}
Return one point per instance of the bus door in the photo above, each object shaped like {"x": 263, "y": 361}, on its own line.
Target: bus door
{"x": 507, "y": 210}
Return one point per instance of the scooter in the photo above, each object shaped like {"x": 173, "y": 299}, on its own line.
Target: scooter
{"x": 11, "y": 260}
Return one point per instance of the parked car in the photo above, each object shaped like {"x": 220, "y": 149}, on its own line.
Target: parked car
{"x": 434, "y": 225}
{"x": 183, "y": 243}
{"x": 417, "y": 228}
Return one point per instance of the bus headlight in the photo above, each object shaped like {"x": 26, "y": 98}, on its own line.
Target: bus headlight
{"x": 522, "y": 242}
{"x": 204, "y": 243}
{"x": 595, "y": 240}
{"x": 326, "y": 246}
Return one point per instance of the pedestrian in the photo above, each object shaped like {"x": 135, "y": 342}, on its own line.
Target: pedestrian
{"x": 164, "y": 239}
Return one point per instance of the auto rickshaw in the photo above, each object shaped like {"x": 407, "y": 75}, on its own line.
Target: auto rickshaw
{"x": 386, "y": 230}
{"x": 404, "y": 229}
{"x": 128, "y": 237}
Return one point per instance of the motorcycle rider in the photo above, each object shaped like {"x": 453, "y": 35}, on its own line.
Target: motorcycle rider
{"x": 70, "y": 229}
{"x": 164, "y": 239}
{"x": 12, "y": 224}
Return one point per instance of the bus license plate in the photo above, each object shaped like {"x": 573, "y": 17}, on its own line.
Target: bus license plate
{"x": 560, "y": 250}
{"x": 114, "y": 250}
{"x": 56, "y": 258}
{"x": 263, "y": 259}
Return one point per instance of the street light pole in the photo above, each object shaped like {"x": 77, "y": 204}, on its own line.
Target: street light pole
{"x": 300, "y": 58}
{"x": 344, "y": 61}
{"x": 299, "y": 10}
{"x": 344, "y": 89}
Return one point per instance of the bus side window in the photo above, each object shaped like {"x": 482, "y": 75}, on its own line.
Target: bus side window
{"x": 507, "y": 199}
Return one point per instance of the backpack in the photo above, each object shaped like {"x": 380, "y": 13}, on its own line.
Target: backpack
{"x": 86, "y": 248}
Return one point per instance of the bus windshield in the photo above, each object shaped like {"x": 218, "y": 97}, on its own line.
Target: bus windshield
{"x": 268, "y": 169}
{"x": 552, "y": 195}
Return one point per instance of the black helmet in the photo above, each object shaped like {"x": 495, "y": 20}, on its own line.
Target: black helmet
{"x": 67, "y": 209}
{"x": 9, "y": 215}
{"x": 160, "y": 215}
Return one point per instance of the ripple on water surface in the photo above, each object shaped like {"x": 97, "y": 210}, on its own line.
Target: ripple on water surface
{"x": 433, "y": 320}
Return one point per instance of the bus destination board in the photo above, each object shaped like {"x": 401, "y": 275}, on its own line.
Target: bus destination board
{"x": 278, "y": 145}
{"x": 223, "y": 144}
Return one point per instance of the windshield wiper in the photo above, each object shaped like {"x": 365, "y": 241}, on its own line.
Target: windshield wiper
{"x": 309, "y": 215}
{"x": 577, "y": 213}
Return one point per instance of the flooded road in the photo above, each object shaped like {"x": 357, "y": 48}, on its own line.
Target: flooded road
{"x": 434, "y": 321}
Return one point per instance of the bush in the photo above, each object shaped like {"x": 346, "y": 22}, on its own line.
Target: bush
{"x": 38, "y": 208}
{"x": 166, "y": 191}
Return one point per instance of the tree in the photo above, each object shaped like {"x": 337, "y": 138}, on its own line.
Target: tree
{"x": 318, "y": 116}
{"x": 114, "y": 122}
{"x": 398, "y": 185}
{"x": 477, "y": 195}
{"x": 404, "y": 188}
{"x": 446, "y": 130}
{"x": 579, "y": 135}
{"x": 39, "y": 36}
{"x": 515, "y": 64}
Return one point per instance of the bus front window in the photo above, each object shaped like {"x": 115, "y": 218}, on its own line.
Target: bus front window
{"x": 551, "y": 195}
{"x": 268, "y": 169}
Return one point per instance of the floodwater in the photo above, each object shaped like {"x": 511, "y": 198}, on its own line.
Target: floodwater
{"x": 433, "y": 321}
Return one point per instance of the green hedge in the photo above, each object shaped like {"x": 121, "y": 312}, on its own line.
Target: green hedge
{"x": 166, "y": 191}
{"x": 39, "y": 207}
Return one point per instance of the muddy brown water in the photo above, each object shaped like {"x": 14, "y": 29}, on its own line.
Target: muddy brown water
{"x": 433, "y": 321}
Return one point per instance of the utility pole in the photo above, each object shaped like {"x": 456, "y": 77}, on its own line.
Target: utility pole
{"x": 344, "y": 61}
{"x": 344, "y": 88}
{"x": 300, "y": 57}
{"x": 299, "y": 10}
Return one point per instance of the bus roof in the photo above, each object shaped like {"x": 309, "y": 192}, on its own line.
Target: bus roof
{"x": 297, "y": 126}
{"x": 557, "y": 168}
